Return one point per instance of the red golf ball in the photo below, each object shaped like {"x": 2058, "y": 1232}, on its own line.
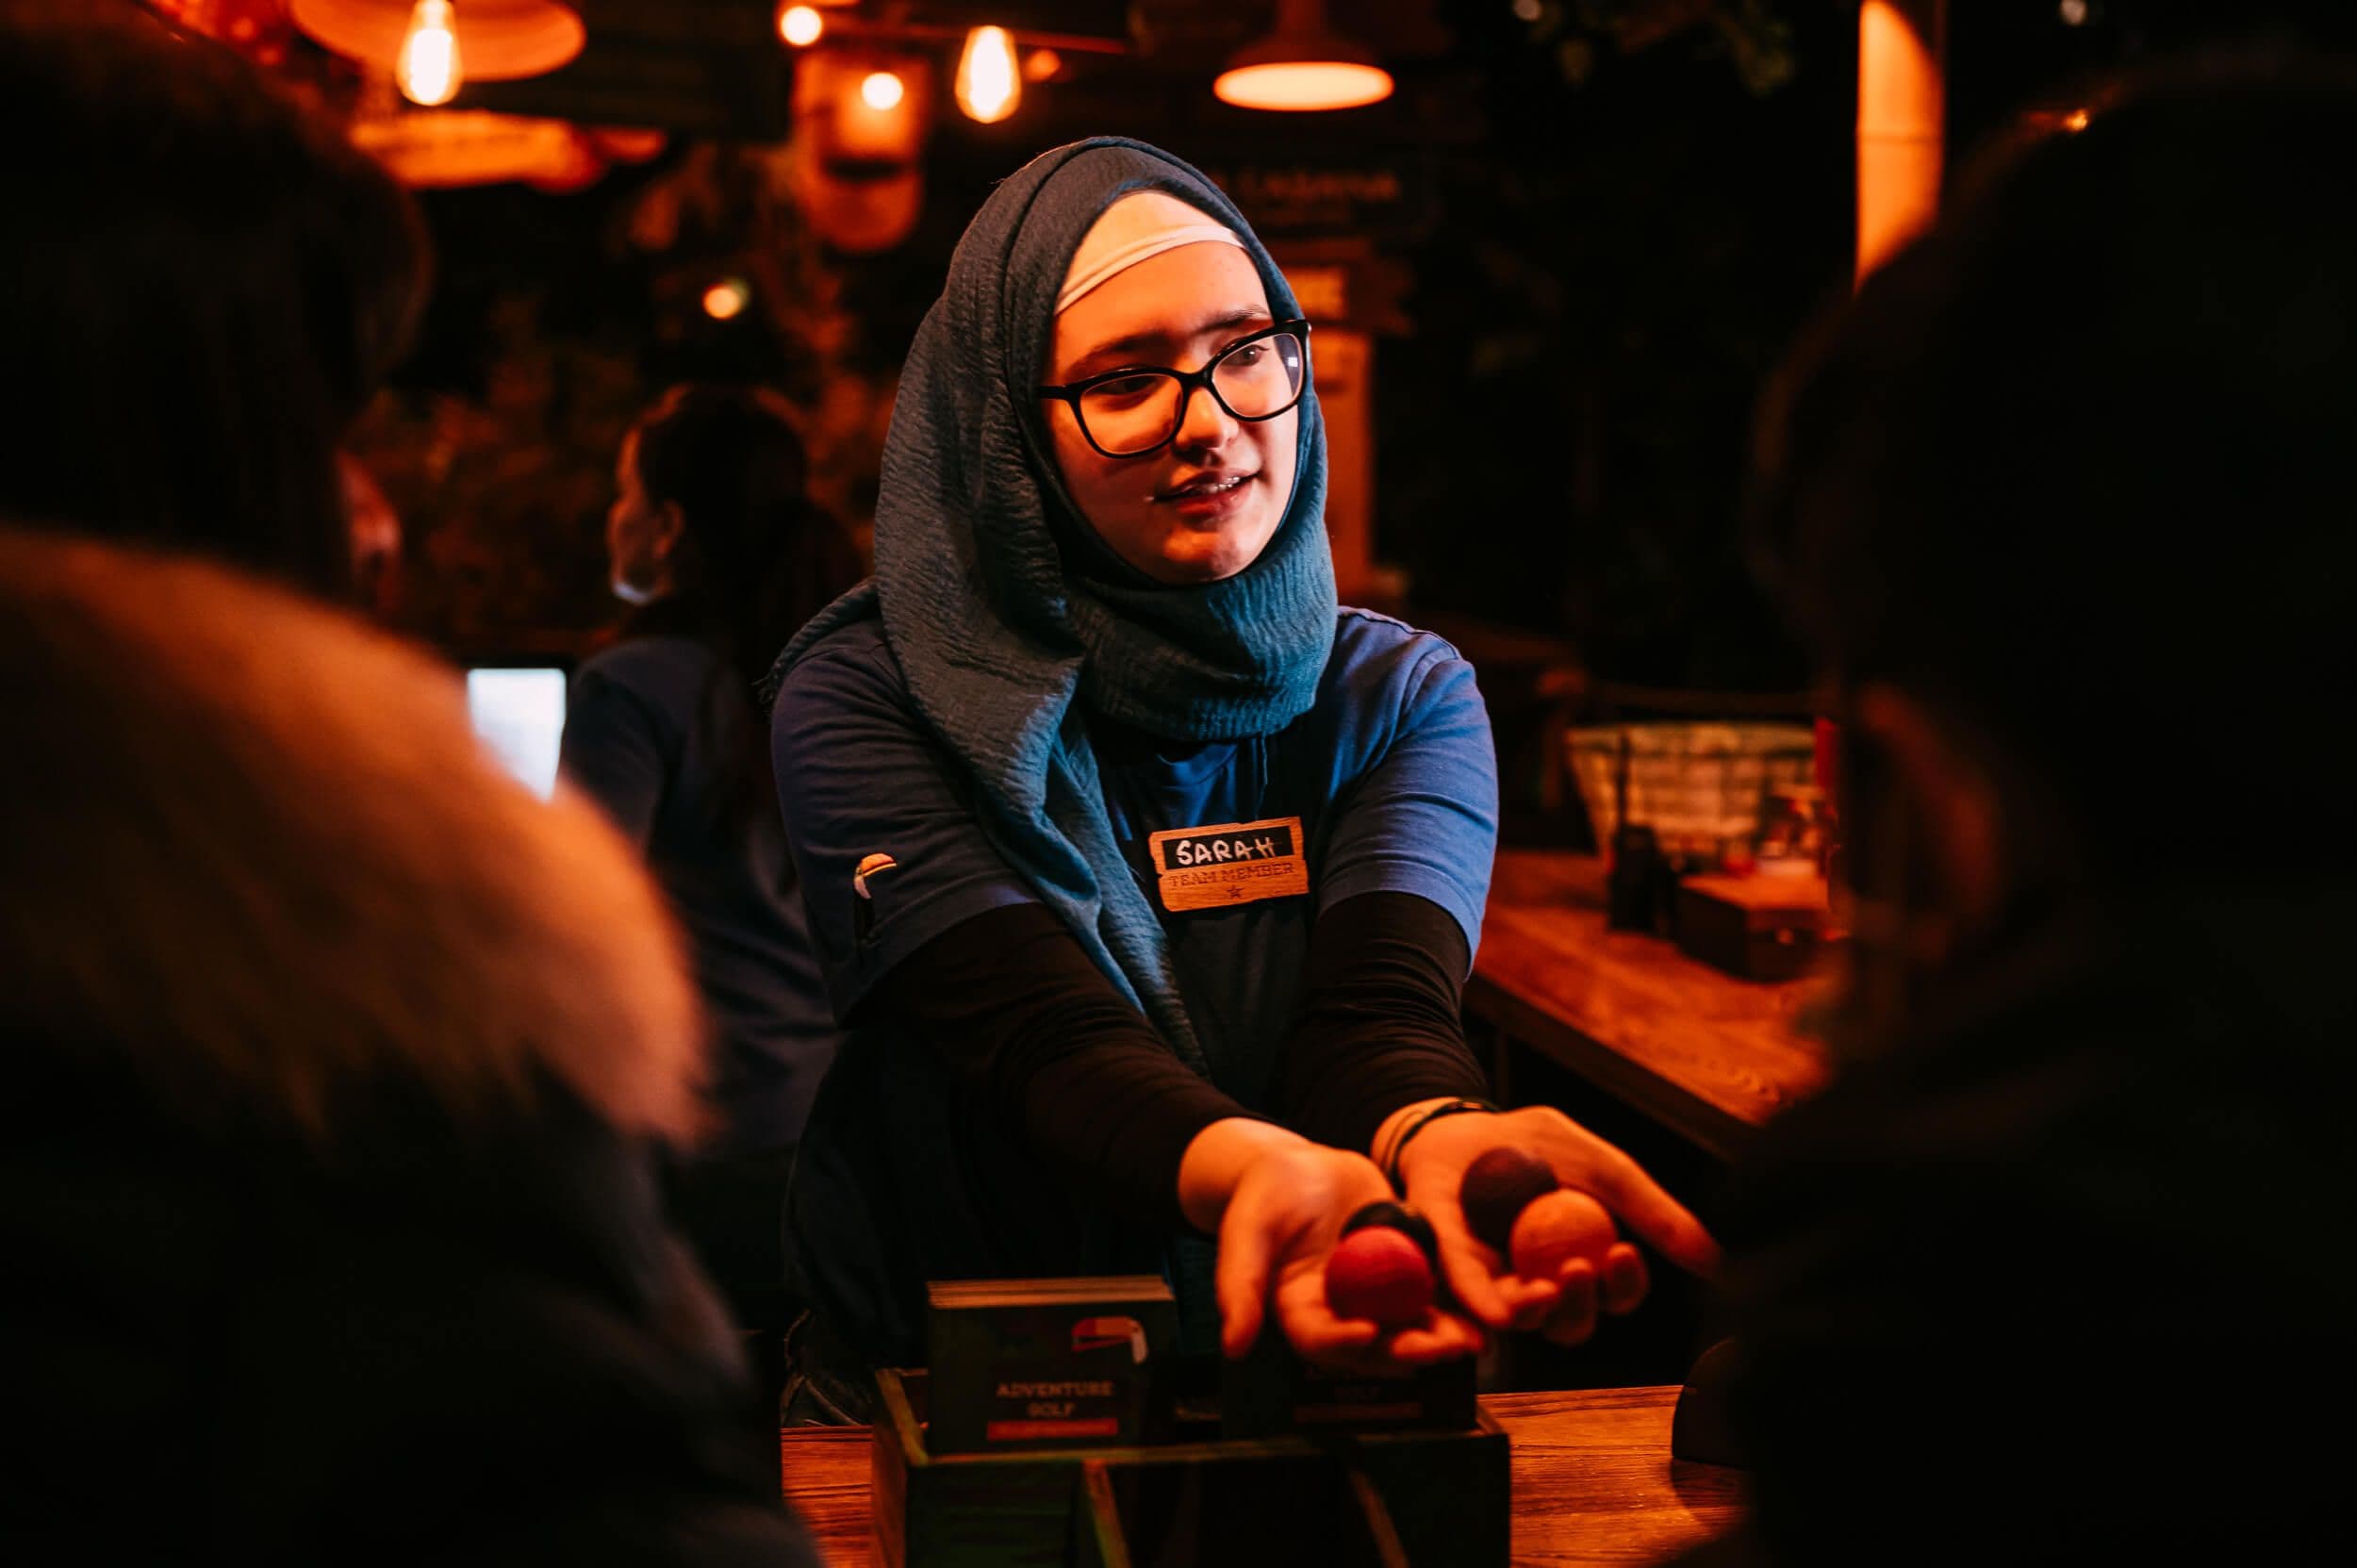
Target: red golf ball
{"x": 1378, "y": 1273}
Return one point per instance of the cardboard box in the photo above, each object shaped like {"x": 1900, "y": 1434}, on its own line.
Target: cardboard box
{"x": 1345, "y": 1500}
{"x": 1768, "y": 927}
{"x": 1037, "y": 1362}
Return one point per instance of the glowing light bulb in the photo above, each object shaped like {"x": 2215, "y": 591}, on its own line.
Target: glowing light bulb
{"x": 989, "y": 86}
{"x": 800, "y": 25}
{"x": 428, "y": 71}
{"x": 881, "y": 91}
{"x": 1303, "y": 85}
{"x": 1042, "y": 65}
{"x": 726, "y": 299}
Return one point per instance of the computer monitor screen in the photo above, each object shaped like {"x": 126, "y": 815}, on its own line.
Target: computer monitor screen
{"x": 519, "y": 712}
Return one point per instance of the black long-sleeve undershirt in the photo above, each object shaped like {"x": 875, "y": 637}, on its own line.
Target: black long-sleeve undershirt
{"x": 1011, "y": 1001}
{"x": 1381, "y": 1022}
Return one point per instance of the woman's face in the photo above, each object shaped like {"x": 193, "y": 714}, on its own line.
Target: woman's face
{"x": 639, "y": 534}
{"x": 1203, "y": 506}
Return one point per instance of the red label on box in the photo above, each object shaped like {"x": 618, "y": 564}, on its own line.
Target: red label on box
{"x": 1033, "y": 1431}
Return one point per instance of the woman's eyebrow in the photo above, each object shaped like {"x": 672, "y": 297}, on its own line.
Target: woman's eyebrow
{"x": 1130, "y": 345}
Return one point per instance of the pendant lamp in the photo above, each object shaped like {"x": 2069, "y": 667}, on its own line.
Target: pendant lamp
{"x": 1303, "y": 65}
{"x": 488, "y": 40}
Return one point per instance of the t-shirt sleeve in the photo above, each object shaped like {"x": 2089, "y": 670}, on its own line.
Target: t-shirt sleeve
{"x": 861, "y": 784}
{"x": 1424, "y": 818}
{"x": 616, "y": 750}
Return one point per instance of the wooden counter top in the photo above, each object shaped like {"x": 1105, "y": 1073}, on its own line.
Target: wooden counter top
{"x": 1707, "y": 1055}
{"x": 1594, "y": 1480}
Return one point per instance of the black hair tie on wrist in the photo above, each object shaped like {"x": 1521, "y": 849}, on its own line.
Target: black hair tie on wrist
{"x": 1447, "y": 1108}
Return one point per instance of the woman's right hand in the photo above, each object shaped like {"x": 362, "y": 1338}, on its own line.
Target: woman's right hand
{"x": 1277, "y": 1202}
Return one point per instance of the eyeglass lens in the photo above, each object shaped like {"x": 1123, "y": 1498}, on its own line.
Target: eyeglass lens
{"x": 1136, "y": 413}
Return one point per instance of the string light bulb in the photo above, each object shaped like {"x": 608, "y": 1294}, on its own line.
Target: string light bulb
{"x": 989, "y": 85}
{"x": 881, "y": 91}
{"x": 727, "y": 299}
{"x": 800, "y": 25}
{"x": 428, "y": 70}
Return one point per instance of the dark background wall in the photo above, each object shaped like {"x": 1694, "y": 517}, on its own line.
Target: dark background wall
{"x": 1613, "y": 218}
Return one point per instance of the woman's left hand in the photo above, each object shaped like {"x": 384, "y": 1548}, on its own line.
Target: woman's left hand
{"x": 1432, "y": 1168}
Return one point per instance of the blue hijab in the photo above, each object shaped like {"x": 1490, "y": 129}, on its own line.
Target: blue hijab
{"x": 1012, "y": 621}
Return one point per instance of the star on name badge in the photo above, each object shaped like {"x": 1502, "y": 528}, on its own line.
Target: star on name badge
{"x": 1230, "y": 863}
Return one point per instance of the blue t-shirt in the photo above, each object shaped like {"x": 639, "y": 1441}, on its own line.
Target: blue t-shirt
{"x": 646, "y": 739}
{"x": 1387, "y": 784}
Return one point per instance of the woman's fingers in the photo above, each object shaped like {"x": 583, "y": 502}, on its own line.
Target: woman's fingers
{"x": 1247, "y": 1251}
{"x": 1639, "y": 1202}
{"x": 1574, "y": 1317}
{"x": 1495, "y": 1300}
{"x": 1624, "y": 1279}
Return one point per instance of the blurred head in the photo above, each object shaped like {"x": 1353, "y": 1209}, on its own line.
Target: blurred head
{"x": 1199, "y": 503}
{"x": 641, "y": 533}
{"x": 266, "y": 866}
{"x": 200, "y": 288}
{"x": 2062, "y": 504}
{"x": 712, "y": 504}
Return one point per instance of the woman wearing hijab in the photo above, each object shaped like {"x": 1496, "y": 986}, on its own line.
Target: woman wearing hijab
{"x": 1146, "y": 878}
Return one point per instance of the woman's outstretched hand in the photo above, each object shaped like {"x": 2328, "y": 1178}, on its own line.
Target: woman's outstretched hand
{"x": 1565, "y": 1309}
{"x": 1277, "y": 1203}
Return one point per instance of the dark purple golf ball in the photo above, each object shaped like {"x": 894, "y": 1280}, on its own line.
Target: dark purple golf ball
{"x": 1497, "y": 1188}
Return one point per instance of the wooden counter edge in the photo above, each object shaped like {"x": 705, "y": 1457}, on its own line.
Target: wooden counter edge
{"x": 1592, "y": 1476}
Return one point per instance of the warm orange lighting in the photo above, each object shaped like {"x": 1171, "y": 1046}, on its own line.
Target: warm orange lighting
{"x": 1303, "y": 65}
{"x": 1041, "y": 65}
{"x": 1301, "y": 85}
{"x": 429, "y": 70}
{"x": 881, "y": 91}
{"x": 989, "y": 86}
{"x": 497, "y": 40}
{"x": 800, "y": 25}
{"x": 2075, "y": 121}
{"x": 726, "y": 299}
{"x": 1902, "y": 105}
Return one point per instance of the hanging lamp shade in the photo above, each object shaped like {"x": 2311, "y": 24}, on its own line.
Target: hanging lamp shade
{"x": 499, "y": 40}
{"x": 1303, "y": 65}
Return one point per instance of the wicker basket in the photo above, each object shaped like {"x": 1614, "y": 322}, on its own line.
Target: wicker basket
{"x": 1697, "y": 784}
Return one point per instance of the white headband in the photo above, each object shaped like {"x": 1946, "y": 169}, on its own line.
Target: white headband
{"x": 1139, "y": 226}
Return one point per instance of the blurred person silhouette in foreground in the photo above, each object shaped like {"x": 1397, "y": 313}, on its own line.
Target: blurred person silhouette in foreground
{"x": 2062, "y": 502}
{"x": 201, "y": 285}
{"x": 343, "y": 1059}
{"x": 341, "y": 1055}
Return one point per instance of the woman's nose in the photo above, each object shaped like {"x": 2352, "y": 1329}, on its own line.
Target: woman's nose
{"x": 1203, "y": 422}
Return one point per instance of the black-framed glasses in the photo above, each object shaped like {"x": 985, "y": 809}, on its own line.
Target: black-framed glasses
{"x": 1138, "y": 409}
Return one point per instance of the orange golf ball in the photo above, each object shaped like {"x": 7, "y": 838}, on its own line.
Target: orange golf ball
{"x": 1556, "y": 1228}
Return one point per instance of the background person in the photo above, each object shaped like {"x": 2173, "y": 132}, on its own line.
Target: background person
{"x": 714, "y": 539}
